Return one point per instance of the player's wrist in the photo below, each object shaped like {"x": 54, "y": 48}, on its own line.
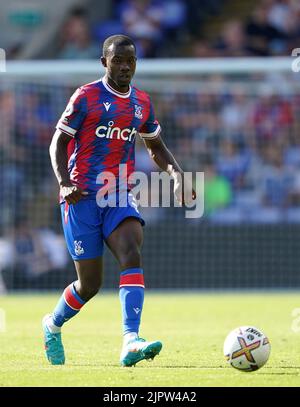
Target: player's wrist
{"x": 65, "y": 183}
{"x": 177, "y": 177}
{"x": 174, "y": 173}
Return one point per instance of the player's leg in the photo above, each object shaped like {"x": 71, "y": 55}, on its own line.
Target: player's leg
{"x": 90, "y": 277}
{"x": 125, "y": 243}
{"x": 88, "y": 283}
{"x": 85, "y": 244}
{"x": 74, "y": 297}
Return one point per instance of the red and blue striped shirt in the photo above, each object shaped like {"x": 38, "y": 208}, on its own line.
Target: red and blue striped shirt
{"x": 104, "y": 124}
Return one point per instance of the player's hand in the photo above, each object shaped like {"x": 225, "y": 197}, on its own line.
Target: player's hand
{"x": 72, "y": 194}
{"x": 180, "y": 185}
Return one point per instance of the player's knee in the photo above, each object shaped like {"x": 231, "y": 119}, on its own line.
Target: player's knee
{"x": 131, "y": 257}
{"x": 88, "y": 291}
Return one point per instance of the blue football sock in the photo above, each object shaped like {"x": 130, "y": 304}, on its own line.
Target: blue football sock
{"x": 132, "y": 298}
{"x": 67, "y": 307}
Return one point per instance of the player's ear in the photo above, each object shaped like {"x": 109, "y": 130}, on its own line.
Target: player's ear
{"x": 103, "y": 61}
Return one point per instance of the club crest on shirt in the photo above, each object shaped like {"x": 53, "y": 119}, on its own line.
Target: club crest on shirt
{"x": 138, "y": 112}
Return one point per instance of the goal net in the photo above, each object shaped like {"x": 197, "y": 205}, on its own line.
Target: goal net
{"x": 236, "y": 120}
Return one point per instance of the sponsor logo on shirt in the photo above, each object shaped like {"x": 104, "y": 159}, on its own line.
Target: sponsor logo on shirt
{"x": 112, "y": 132}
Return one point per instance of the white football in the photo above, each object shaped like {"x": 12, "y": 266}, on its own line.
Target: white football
{"x": 247, "y": 348}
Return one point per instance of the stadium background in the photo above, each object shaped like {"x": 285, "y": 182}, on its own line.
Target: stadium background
{"x": 236, "y": 119}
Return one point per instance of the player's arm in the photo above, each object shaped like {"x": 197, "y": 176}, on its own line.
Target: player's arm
{"x": 66, "y": 128}
{"x": 59, "y": 159}
{"x": 163, "y": 157}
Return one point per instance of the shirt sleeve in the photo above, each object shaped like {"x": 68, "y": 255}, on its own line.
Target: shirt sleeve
{"x": 74, "y": 115}
{"x": 151, "y": 128}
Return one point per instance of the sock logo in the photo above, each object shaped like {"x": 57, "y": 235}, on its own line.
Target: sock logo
{"x": 136, "y": 310}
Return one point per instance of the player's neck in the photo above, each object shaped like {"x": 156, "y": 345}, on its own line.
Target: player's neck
{"x": 116, "y": 87}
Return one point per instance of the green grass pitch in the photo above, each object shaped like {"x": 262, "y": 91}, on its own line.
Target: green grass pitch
{"x": 192, "y": 327}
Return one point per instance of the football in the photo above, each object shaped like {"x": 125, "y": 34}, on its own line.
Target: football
{"x": 247, "y": 348}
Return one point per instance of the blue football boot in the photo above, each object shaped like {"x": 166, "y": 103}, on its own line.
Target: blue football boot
{"x": 138, "y": 349}
{"x": 53, "y": 345}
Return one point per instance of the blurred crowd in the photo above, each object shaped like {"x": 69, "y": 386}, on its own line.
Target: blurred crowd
{"x": 179, "y": 28}
{"x": 245, "y": 141}
{"x": 271, "y": 29}
{"x": 243, "y": 135}
{"x": 154, "y": 25}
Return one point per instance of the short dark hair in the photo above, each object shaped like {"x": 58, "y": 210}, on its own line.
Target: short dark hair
{"x": 118, "y": 39}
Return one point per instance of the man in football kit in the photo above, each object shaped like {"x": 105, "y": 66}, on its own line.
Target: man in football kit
{"x": 102, "y": 120}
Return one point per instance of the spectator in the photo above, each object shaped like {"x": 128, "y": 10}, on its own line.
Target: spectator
{"x": 197, "y": 119}
{"x": 233, "y": 40}
{"x": 263, "y": 38}
{"x": 282, "y": 16}
{"x": 34, "y": 253}
{"x": 12, "y": 159}
{"x": 232, "y": 163}
{"x": 292, "y": 153}
{"x": 202, "y": 49}
{"x": 174, "y": 18}
{"x": 75, "y": 38}
{"x": 217, "y": 189}
{"x": 277, "y": 180}
{"x": 143, "y": 21}
{"x": 7, "y": 114}
{"x": 272, "y": 117}
{"x": 235, "y": 114}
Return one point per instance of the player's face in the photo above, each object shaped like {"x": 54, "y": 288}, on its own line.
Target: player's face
{"x": 120, "y": 64}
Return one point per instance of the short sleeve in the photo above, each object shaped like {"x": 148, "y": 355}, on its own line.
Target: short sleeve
{"x": 151, "y": 128}
{"x": 75, "y": 113}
